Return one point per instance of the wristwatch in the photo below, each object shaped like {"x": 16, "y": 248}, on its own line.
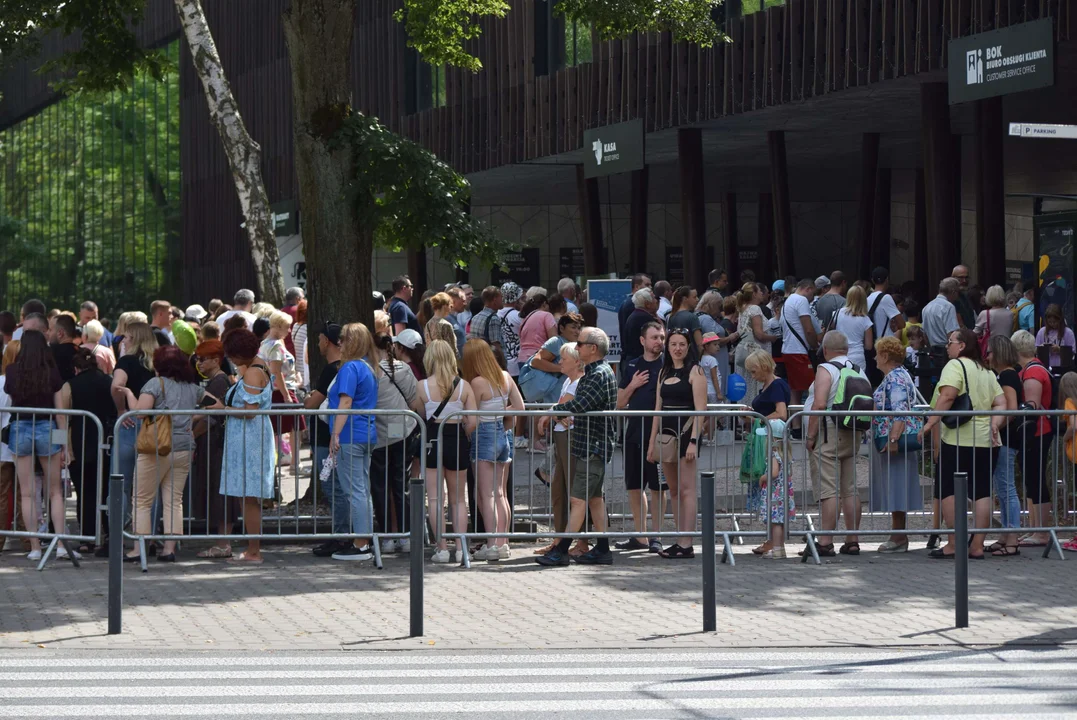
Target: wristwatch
{"x": 692, "y": 441}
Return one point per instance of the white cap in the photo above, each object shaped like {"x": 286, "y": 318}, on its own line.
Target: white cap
{"x": 409, "y": 339}
{"x": 195, "y": 312}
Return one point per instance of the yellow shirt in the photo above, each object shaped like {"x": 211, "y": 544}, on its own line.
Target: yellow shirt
{"x": 982, "y": 388}
{"x": 905, "y": 332}
{"x": 1071, "y": 446}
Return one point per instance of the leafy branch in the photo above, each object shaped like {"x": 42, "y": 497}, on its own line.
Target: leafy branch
{"x": 438, "y": 29}
{"x": 411, "y": 198}
{"x": 686, "y": 20}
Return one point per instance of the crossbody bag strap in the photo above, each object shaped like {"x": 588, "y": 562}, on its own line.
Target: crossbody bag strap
{"x": 445, "y": 400}
{"x": 874, "y": 307}
{"x": 796, "y": 334}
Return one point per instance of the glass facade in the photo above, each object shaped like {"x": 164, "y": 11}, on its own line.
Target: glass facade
{"x": 90, "y": 199}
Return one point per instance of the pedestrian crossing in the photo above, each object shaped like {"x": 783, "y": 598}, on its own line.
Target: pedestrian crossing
{"x": 639, "y": 685}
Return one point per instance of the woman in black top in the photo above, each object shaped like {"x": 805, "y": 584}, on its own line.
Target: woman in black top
{"x": 133, "y": 370}
{"x": 681, "y": 386}
{"x": 1004, "y": 361}
{"x": 33, "y": 382}
{"x": 89, "y": 390}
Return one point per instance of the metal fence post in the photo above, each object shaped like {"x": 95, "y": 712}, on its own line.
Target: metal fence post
{"x": 115, "y": 554}
{"x": 418, "y": 524}
{"x": 710, "y": 610}
{"x": 961, "y": 548}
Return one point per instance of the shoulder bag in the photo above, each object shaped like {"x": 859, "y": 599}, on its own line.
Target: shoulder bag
{"x": 961, "y": 403}
{"x": 155, "y": 435}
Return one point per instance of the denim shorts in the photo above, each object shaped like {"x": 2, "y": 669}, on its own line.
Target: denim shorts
{"x": 32, "y": 437}
{"x": 490, "y": 443}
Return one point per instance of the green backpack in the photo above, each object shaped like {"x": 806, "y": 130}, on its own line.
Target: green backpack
{"x": 853, "y": 395}
{"x": 753, "y": 459}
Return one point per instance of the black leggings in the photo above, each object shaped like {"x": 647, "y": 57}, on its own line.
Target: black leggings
{"x": 389, "y": 477}
{"x": 977, "y": 462}
{"x": 1032, "y": 461}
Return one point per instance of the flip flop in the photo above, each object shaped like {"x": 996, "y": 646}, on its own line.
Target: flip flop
{"x": 1005, "y": 551}
{"x": 1030, "y": 543}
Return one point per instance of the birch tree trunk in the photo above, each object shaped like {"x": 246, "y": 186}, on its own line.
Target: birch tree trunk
{"x": 337, "y": 247}
{"x": 244, "y": 154}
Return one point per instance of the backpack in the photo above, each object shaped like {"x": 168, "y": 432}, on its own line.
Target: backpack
{"x": 853, "y": 395}
{"x": 1016, "y": 310}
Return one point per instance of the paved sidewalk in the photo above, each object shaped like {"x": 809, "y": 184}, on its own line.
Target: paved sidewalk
{"x": 297, "y": 602}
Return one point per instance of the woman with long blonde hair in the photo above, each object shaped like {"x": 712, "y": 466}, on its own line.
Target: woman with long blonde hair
{"x": 119, "y": 338}
{"x": 491, "y": 450}
{"x": 133, "y": 370}
{"x": 853, "y": 321}
{"x": 443, "y": 393}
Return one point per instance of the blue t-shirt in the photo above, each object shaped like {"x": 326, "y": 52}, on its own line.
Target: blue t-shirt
{"x": 356, "y": 380}
{"x": 767, "y": 400}
{"x": 399, "y": 312}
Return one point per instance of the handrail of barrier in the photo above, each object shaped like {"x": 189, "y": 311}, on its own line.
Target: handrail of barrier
{"x": 65, "y": 538}
{"x": 463, "y": 537}
{"x": 921, "y": 412}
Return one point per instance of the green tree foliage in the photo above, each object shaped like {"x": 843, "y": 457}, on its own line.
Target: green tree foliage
{"x": 91, "y": 187}
{"x": 410, "y": 197}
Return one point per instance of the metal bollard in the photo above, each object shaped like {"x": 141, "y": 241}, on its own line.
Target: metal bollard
{"x": 115, "y": 554}
{"x": 710, "y": 610}
{"x": 961, "y": 548}
{"x": 418, "y": 524}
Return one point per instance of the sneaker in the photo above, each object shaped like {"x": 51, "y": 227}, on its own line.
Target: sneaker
{"x": 459, "y": 557}
{"x": 630, "y": 544}
{"x": 554, "y": 558}
{"x": 34, "y": 555}
{"x": 353, "y": 553}
{"x": 388, "y": 547}
{"x": 327, "y": 549}
{"x": 775, "y": 554}
{"x": 594, "y": 556}
{"x": 655, "y": 546}
{"x": 483, "y": 553}
{"x": 889, "y": 547}
{"x": 495, "y": 553}
{"x": 503, "y": 552}
{"x": 61, "y": 553}
{"x": 441, "y": 557}
{"x": 403, "y": 546}
{"x": 520, "y": 443}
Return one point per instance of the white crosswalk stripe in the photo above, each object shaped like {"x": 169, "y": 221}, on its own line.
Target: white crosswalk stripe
{"x": 862, "y": 684}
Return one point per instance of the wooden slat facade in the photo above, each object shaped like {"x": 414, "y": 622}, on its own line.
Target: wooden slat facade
{"x": 507, "y": 113}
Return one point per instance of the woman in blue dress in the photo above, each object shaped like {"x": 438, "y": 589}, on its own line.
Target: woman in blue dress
{"x": 249, "y": 450}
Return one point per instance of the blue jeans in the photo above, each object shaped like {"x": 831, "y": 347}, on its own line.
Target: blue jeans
{"x": 353, "y": 471}
{"x": 1009, "y": 504}
{"x": 333, "y": 492}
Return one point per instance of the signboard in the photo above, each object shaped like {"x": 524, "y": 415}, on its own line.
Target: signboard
{"x": 1040, "y": 130}
{"x": 1054, "y": 235}
{"x": 675, "y": 265}
{"x": 570, "y": 263}
{"x": 523, "y": 269}
{"x": 293, "y": 268}
{"x": 608, "y": 296}
{"x": 285, "y": 219}
{"x": 613, "y": 149}
{"x": 1013, "y": 59}
{"x": 1017, "y": 271}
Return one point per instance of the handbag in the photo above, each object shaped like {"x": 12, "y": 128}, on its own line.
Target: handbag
{"x": 961, "y": 403}
{"x": 669, "y": 450}
{"x": 155, "y": 435}
{"x": 431, "y": 422}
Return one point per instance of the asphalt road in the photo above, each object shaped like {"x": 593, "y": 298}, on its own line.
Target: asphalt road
{"x": 1007, "y": 683}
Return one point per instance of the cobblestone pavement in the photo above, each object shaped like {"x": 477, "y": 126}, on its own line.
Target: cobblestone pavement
{"x": 296, "y": 601}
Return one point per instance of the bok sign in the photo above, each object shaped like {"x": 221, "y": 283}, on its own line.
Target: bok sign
{"x": 1013, "y": 59}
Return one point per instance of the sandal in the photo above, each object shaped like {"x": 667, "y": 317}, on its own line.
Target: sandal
{"x": 676, "y": 552}
{"x": 242, "y": 559}
{"x": 1004, "y": 551}
{"x": 544, "y": 550}
{"x": 216, "y": 552}
{"x": 542, "y": 477}
{"x": 850, "y": 549}
{"x": 823, "y": 550}
{"x": 1070, "y": 545}
{"x": 995, "y": 547}
{"x": 580, "y": 548}
{"x": 761, "y": 550}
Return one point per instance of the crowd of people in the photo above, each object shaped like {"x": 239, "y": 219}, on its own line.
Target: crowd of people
{"x": 832, "y": 346}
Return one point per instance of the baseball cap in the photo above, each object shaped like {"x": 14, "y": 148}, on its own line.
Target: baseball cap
{"x": 777, "y": 429}
{"x": 778, "y": 286}
{"x": 331, "y": 330}
{"x": 195, "y": 312}
{"x": 709, "y": 337}
{"x": 822, "y": 282}
{"x": 880, "y": 274}
{"x": 409, "y": 339}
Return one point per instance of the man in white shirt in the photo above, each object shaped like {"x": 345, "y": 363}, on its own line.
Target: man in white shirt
{"x": 799, "y": 338}
{"x": 834, "y": 465}
{"x": 664, "y": 291}
{"x": 241, "y": 305}
{"x": 886, "y": 319}
{"x": 939, "y": 317}
{"x": 566, "y": 288}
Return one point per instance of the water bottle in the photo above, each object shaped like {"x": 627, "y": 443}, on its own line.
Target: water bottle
{"x": 328, "y": 466}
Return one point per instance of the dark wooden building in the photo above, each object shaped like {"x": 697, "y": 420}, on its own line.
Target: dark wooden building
{"x": 819, "y": 138}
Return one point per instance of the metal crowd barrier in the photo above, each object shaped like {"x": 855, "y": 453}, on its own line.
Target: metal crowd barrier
{"x": 51, "y": 480}
{"x": 1039, "y": 461}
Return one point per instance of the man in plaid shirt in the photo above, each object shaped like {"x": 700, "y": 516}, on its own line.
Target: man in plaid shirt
{"x": 591, "y": 440}
{"x": 487, "y": 325}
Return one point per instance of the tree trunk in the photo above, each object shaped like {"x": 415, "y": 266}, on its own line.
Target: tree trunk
{"x": 337, "y": 248}
{"x": 244, "y": 154}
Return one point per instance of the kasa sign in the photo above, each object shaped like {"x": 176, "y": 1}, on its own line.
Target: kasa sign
{"x": 1020, "y": 57}
{"x": 613, "y": 149}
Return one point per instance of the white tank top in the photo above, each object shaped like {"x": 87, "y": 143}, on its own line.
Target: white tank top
{"x": 497, "y": 403}
{"x": 450, "y": 407}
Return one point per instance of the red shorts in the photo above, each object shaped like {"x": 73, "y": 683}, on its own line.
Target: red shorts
{"x": 798, "y": 371}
